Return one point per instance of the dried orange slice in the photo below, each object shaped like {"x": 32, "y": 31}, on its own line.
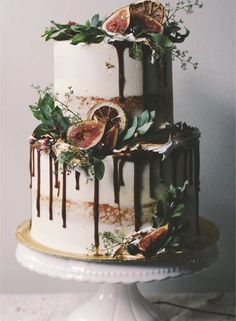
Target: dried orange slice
{"x": 109, "y": 113}
{"x": 146, "y": 23}
{"x": 150, "y": 8}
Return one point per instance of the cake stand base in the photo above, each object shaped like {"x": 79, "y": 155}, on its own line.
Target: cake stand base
{"x": 118, "y": 298}
{"x": 117, "y": 302}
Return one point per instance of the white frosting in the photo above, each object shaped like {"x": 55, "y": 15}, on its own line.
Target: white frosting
{"x": 84, "y": 68}
{"x": 78, "y": 235}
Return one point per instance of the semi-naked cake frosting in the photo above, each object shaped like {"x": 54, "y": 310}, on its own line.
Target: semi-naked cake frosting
{"x": 104, "y": 71}
{"x": 111, "y": 175}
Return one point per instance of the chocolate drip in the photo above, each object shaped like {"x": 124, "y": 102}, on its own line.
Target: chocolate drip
{"x": 120, "y": 48}
{"x": 191, "y": 167}
{"x": 197, "y": 182}
{"x": 31, "y": 164}
{"x": 197, "y": 166}
{"x": 161, "y": 170}
{"x": 137, "y": 194}
{"x": 50, "y": 187}
{"x": 38, "y": 182}
{"x": 96, "y": 213}
{"x": 63, "y": 210}
{"x": 56, "y": 171}
{"x": 121, "y": 167}
{"x": 152, "y": 166}
{"x": 77, "y": 177}
{"x": 185, "y": 165}
{"x": 175, "y": 159}
{"x": 116, "y": 184}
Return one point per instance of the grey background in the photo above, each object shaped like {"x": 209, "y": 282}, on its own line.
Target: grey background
{"x": 205, "y": 98}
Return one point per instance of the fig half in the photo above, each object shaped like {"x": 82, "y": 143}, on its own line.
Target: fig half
{"x": 118, "y": 22}
{"x": 153, "y": 241}
{"x": 87, "y": 134}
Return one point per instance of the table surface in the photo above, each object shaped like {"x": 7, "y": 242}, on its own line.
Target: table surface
{"x": 56, "y": 307}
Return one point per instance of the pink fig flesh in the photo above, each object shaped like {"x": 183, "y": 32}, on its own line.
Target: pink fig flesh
{"x": 87, "y": 134}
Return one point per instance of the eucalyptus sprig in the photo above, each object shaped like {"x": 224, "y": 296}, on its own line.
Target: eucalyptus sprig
{"x": 139, "y": 125}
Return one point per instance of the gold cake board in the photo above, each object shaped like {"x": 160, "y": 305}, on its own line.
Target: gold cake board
{"x": 209, "y": 234}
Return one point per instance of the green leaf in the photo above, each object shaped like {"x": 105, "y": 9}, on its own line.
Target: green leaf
{"x": 130, "y": 132}
{"x": 161, "y": 40}
{"x": 99, "y": 168}
{"x": 95, "y": 20}
{"x": 65, "y": 157}
{"x": 143, "y": 118}
{"x": 40, "y": 131}
{"x": 180, "y": 208}
{"x": 46, "y": 111}
{"x": 172, "y": 191}
{"x": 152, "y": 114}
{"x": 47, "y": 100}
{"x": 80, "y": 37}
{"x": 58, "y": 25}
{"x": 36, "y": 112}
{"x": 59, "y": 120}
{"x": 143, "y": 129}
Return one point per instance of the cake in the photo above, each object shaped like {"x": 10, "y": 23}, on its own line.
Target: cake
{"x": 111, "y": 175}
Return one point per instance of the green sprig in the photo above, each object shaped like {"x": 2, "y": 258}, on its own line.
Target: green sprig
{"x": 139, "y": 125}
{"x": 77, "y": 33}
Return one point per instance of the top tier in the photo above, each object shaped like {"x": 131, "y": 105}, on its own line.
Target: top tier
{"x": 99, "y": 72}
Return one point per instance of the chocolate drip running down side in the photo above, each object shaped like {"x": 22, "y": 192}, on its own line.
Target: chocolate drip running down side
{"x": 31, "y": 164}
{"x": 197, "y": 182}
{"x": 137, "y": 194}
{"x": 77, "y": 178}
{"x": 38, "y": 182}
{"x": 116, "y": 184}
{"x": 175, "y": 159}
{"x": 152, "y": 168}
{"x": 63, "y": 210}
{"x": 96, "y": 214}
{"x": 50, "y": 186}
{"x": 120, "y": 48}
{"x": 56, "y": 171}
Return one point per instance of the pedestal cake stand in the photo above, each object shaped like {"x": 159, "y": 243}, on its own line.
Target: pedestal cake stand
{"x": 118, "y": 298}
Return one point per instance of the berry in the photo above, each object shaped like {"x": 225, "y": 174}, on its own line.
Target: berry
{"x": 136, "y": 30}
{"x": 132, "y": 249}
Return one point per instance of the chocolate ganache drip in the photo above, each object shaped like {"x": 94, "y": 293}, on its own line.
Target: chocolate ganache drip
{"x": 56, "y": 174}
{"x": 31, "y": 164}
{"x": 138, "y": 173}
{"x": 50, "y": 185}
{"x": 120, "y": 48}
{"x": 116, "y": 184}
{"x": 96, "y": 213}
{"x": 175, "y": 160}
{"x": 77, "y": 178}
{"x": 63, "y": 211}
{"x": 38, "y": 182}
{"x": 190, "y": 167}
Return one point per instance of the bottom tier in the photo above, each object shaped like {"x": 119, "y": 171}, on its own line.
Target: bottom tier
{"x": 120, "y": 213}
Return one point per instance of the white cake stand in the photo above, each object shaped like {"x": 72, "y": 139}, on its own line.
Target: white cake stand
{"x": 118, "y": 298}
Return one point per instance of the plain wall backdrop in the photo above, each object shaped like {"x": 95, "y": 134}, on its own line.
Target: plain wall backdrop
{"x": 204, "y": 98}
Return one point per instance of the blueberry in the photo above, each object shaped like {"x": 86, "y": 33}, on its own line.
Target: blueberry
{"x": 136, "y": 30}
{"x": 132, "y": 249}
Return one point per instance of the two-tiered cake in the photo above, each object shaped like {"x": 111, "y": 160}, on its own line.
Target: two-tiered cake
{"x": 110, "y": 172}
